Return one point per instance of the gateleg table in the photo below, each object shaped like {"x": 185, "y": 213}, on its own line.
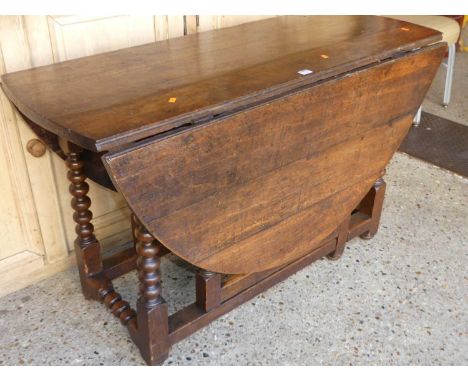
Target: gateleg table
{"x": 249, "y": 152}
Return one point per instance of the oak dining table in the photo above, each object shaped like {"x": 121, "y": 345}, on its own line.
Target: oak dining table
{"x": 248, "y": 152}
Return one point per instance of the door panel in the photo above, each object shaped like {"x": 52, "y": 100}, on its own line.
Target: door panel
{"x": 210, "y": 22}
{"x": 38, "y": 234}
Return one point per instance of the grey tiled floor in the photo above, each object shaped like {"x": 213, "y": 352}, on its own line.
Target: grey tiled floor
{"x": 399, "y": 299}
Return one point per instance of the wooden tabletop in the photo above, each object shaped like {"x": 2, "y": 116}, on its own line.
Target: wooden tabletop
{"x": 105, "y": 101}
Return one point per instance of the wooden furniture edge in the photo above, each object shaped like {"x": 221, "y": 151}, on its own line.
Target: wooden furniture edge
{"x": 147, "y": 131}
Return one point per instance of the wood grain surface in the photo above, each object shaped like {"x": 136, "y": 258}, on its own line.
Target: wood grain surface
{"x": 108, "y": 100}
{"x": 262, "y": 187}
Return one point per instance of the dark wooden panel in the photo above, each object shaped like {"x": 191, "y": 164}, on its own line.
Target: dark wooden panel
{"x": 111, "y": 99}
{"x": 260, "y": 188}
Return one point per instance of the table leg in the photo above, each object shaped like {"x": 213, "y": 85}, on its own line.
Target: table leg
{"x": 341, "y": 240}
{"x": 87, "y": 248}
{"x": 152, "y": 312}
{"x": 371, "y": 205}
{"x": 208, "y": 289}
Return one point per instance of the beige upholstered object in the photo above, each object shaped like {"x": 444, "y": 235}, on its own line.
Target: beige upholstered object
{"x": 449, "y": 27}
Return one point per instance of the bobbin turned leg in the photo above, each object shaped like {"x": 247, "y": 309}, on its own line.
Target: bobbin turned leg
{"x": 152, "y": 313}
{"x": 87, "y": 248}
{"x": 371, "y": 205}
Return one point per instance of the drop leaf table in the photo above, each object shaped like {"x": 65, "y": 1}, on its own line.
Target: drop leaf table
{"x": 248, "y": 152}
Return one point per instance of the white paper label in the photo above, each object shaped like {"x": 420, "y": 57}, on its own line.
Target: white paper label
{"x": 305, "y": 72}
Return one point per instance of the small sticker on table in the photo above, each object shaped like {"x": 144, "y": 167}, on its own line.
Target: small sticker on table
{"x": 172, "y": 100}
{"x": 305, "y": 72}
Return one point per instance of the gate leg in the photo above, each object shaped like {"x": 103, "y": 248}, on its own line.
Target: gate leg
{"x": 372, "y": 206}
{"x": 152, "y": 312}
